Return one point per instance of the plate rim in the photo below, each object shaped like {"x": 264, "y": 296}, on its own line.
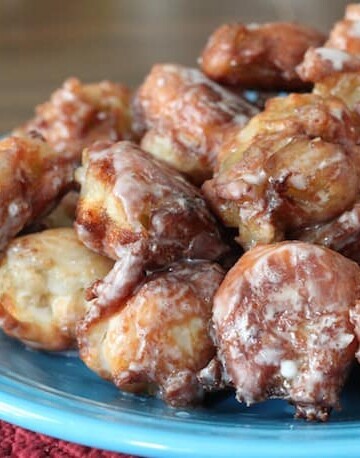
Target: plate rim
{"x": 48, "y": 413}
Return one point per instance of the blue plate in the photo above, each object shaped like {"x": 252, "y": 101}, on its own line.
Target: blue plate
{"x": 57, "y": 395}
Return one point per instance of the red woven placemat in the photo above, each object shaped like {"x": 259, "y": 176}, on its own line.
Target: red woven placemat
{"x": 20, "y": 443}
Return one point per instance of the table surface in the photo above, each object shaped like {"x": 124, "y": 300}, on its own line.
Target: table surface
{"x": 42, "y": 42}
{"x": 20, "y": 443}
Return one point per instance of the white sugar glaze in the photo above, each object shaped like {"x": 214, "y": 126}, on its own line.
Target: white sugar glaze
{"x": 335, "y": 56}
{"x": 355, "y": 29}
{"x": 160, "y": 334}
{"x": 152, "y": 197}
{"x": 283, "y": 293}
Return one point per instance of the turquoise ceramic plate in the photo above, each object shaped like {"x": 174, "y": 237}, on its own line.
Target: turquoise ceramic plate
{"x": 57, "y": 395}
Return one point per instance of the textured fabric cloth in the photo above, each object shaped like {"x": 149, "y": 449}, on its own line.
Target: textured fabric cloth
{"x": 19, "y": 443}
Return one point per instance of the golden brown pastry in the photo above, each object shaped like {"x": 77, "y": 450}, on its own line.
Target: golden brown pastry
{"x": 345, "y": 34}
{"x": 319, "y": 63}
{"x": 32, "y": 178}
{"x": 78, "y": 114}
{"x": 294, "y": 165}
{"x": 186, "y": 116}
{"x": 165, "y": 147}
{"x": 158, "y": 339}
{"x": 140, "y": 212}
{"x": 345, "y": 85}
{"x": 341, "y": 234}
{"x": 261, "y": 56}
{"x": 282, "y": 328}
{"x": 43, "y": 279}
{"x": 341, "y": 52}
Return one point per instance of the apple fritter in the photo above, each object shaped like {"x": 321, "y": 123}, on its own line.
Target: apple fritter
{"x": 319, "y": 63}
{"x": 33, "y": 178}
{"x": 158, "y": 339}
{"x": 294, "y": 165}
{"x": 342, "y": 234}
{"x": 140, "y": 212}
{"x": 341, "y": 52}
{"x": 42, "y": 288}
{"x": 345, "y": 34}
{"x": 259, "y": 56}
{"x": 345, "y": 86}
{"x": 282, "y": 327}
{"x": 78, "y": 114}
{"x": 186, "y": 116}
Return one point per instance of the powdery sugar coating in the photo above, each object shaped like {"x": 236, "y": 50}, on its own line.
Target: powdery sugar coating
{"x": 281, "y": 324}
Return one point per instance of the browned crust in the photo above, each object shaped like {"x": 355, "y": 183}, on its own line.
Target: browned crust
{"x": 259, "y": 56}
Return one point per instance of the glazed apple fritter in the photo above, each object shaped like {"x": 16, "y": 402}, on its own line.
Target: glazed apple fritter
{"x": 140, "y": 212}
{"x": 259, "y": 56}
{"x": 345, "y": 34}
{"x": 78, "y": 114}
{"x": 341, "y": 234}
{"x": 345, "y": 86}
{"x": 185, "y": 116}
{"x": 43, "y": 279}
{"x": 319, "y": 63}
{"x": 340, "y": 53}
{"x": 294, "y": 165}
{"x": 282, "y": 327}
{"x": 33, "y": 178}
{"x": 157, "y": 339}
